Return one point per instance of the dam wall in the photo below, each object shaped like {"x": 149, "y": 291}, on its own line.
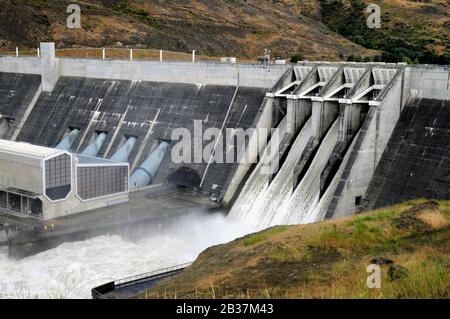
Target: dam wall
{"x": 147, "y": 111}
{"x": 212, "y": 73}
{"x": 174, "y": 72}
{"x": 22, "y": 65}
{"x": 416, "y": 163}
{"x": 427, "y": 81}
{"x": 17, "y": 92}
{"x": 145, "y": 100}
{"x": 44, "y": 99}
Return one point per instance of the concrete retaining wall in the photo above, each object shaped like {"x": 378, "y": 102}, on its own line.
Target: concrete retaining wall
{"x": 431, "y": 82}
{"x": 20, "y": 65}
{"x": 175, "y": 72}
{"x": 179, "y": 72}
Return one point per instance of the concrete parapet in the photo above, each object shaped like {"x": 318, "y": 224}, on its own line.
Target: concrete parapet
{"x": 174, "y": 72}
{"x": 49, "y": 66}
{"x": 426, "y": 81}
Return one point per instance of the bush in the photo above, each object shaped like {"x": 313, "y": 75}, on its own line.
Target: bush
{"x": 354, "y": 58}
{"x": 297, "y": 57}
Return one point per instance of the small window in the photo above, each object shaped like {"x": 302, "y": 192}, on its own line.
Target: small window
{"x": 358, "y": 200}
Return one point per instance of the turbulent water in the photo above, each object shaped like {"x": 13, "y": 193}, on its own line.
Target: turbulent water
{"x": 72, "y": 269}
{"x": 259, "y": 201}
{"x": 264, "y": 205}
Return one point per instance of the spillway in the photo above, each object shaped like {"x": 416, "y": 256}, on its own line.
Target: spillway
{"x": 301, "y": 206}
{"x": 259, "y": 200}
{"x": 277, "y": 203}
{"x": 252, "y": 196}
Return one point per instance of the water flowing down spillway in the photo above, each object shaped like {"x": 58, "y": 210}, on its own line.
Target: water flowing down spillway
{"x": 264, "y": 205}
{"x": 252, "y": 196}
{"x": 73, "y": 269}
{"x": 301, "y": 207}
{"x": 257, "y": 208}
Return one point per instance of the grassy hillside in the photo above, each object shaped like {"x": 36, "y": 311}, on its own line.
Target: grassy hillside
{"x": 328, "y": 259}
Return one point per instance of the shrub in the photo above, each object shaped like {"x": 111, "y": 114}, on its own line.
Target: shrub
{"x": 297, "y": 57}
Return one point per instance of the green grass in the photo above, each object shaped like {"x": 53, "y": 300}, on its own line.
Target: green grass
{"x": 259, "y": 237}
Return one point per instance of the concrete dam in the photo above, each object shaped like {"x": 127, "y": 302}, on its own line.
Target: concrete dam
{"x": 94, "y": 138}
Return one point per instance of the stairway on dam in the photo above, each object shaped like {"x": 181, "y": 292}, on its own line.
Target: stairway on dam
{"x": 416, "y": 162}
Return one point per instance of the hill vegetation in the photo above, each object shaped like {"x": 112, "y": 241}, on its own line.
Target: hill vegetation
{"x": 412, "y": 30}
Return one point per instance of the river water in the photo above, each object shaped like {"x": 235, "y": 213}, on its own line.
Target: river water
{"x": 72, "y": 269}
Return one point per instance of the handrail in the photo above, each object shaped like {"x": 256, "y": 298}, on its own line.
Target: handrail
{"x": 150, "y": 274}
{"x": 149, "y": 55}
{"x": 101, "y": 291}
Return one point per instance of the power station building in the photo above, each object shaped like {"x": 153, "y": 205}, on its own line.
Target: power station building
{"x": 48, "y": 183}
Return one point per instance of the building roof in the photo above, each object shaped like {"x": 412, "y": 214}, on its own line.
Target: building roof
{"x": 83, "y": 159}
{"x": 27, "y": 149}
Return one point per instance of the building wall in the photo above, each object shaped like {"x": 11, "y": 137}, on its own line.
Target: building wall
{"x": 27, "y": 174}
{"x": 73, "y": 205}
{"x": 21, "y": 175}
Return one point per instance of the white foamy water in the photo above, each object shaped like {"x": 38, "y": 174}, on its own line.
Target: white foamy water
{"x": 264, "y": 205}
{"x": 72, "y": 269}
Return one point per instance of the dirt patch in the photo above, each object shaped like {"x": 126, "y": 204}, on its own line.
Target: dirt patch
{"x": 409, "y": 219}
{"x": 433, "y": 218}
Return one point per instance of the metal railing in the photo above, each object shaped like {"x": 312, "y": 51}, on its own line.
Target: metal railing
{"x": 134, "y": 54}
{"x": 101, "y": 292}
{"x": 149, "y": 275}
